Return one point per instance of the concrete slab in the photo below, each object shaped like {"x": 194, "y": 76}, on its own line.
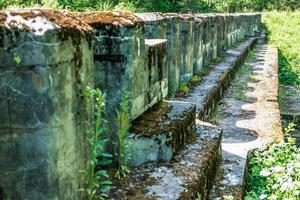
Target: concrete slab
{"x": 249, "y": 123}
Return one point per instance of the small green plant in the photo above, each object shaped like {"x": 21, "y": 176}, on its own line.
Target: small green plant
{"x": 97, "y": 179}
{"x": 251, "y": 56}
{"x": 195, "y": 80}
{"x": 290, "y": 128}
{"x": 18, "y": 61}
{"x": 162, "y": 104}
{"x": 183, "y": 87}
{"x": 123, "y": 154}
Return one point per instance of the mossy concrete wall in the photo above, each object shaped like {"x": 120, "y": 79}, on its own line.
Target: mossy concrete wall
{"x": 194, "y": 40}
{"x": 45, "y": 62}
{"x": 48, "y": 57}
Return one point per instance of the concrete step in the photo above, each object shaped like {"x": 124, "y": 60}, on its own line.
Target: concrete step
{"x": 249, "y": 121}
{"x": 164, "y": 130}
{"x": 188, "y": 176}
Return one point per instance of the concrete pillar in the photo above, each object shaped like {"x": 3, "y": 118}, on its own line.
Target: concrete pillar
{"x": 206, "y": 38}
{"x": 186, "y": 47}
{"x": 155, "y": 25}
{"x": 173, "y": 50}
{"x": 198, "y": 45}
{"x": 158, "y": 72}
{"x": 120, "y": 61}
{"x": 46, "y": 61}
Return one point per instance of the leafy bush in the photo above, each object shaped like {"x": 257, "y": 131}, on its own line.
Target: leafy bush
{"x": 274, "y": 173}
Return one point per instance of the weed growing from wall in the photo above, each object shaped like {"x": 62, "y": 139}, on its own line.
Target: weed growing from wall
{"x": 123, "y": 154}
{"x": 18, "y": 60}
{"x": 97, "y": 178}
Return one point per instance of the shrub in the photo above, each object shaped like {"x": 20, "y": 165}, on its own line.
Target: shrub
{"x": 274, "y": 173}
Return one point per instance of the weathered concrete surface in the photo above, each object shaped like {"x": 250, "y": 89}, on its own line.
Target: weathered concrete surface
{"x": 155, "y": 25}
{"x": 42, "y": 144}
{"x": 42, "y": 96}
{"x": 198, "y": 45}
{"x": 173, "y": 50}
{"x": 290, "y": 109}
{"x": 290, "y": 100}
{"x": 202, "y": 38}
{"x": 207, "y": 94}
{"x": 186, "y": 47}
{"x": 189, "y": 176}
{"x": 248, "y": 123}
{"x": 161, "y": 132}
{"x": 120, "y": 60}
{"x": 157, "y": 71}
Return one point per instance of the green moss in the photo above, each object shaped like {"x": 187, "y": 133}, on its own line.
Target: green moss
{"x": 162, "y": 104}
{"x": 183, "y": 87}
{"x": 195, "y": 79}
{"x": 205, "y": 70}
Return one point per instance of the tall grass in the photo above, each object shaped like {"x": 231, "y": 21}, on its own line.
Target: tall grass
{"x": 284, "y": 31}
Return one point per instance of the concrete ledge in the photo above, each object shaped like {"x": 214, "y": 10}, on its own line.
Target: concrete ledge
{"x": 160, "y": 133}
{"x": 207, "y": 94}
{"x": 189, "y": 177}
{"x": 178, "y": 117}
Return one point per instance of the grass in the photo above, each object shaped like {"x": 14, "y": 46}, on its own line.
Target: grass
{"x": 283, "y": 29}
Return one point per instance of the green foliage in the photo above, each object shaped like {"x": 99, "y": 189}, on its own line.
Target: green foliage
{"x": 18, "y": 60}
{"x": 195, "y": 80}
{"x": 251, "y": 56}
{"x": 183, "y": 87}
{"x": 97, "y": 178}
{"x": 274, "y": 172}
{"x": 284, "y": 31}
{"x": 183, "y": 6}
{"x": 128, "y": 6}
{"x": 123, "y": 154}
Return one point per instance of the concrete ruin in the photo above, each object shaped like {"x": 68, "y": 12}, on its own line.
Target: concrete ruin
{"x": 48, "y": 57}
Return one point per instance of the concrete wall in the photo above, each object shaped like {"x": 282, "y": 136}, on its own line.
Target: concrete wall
{"x": 42, "y": 131}
{"x": 195, "y": 40}
{"x": 43, "y": 110}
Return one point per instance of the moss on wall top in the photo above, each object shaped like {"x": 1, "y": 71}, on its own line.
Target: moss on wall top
{"x": 40, "y": 20}
{"x": 116, "y": 19}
